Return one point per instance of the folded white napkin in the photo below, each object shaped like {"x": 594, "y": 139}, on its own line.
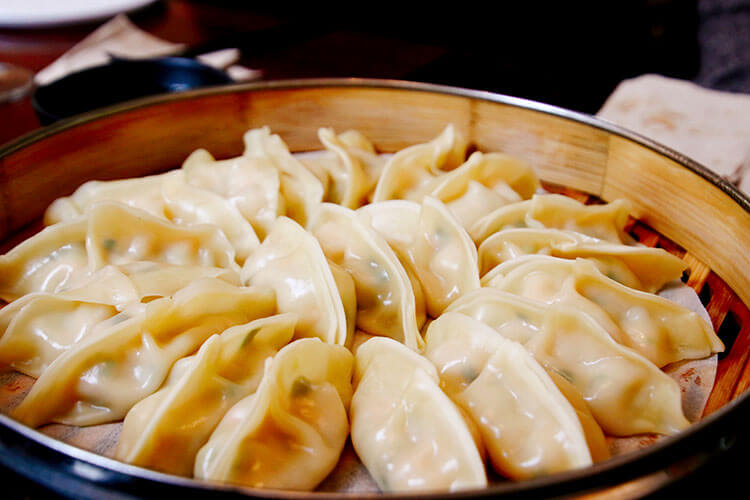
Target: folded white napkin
{"x": 120, "y": 37}
{"x": 710, "y": 126}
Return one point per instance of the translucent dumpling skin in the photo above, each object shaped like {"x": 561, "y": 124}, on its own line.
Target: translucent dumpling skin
{"x": 626, "y": 392}
{"x": 406, "y": 431}
{"x": 100, "y": 378}
{"x": 291, "y": 432}
{"x": 526, "y": 423}
{"x": 166, "y": 430}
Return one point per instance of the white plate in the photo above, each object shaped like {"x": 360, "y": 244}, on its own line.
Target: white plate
{"x": 48, "y": 13}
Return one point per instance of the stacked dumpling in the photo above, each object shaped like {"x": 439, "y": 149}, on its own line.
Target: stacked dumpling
{"x": 245, "y": 317}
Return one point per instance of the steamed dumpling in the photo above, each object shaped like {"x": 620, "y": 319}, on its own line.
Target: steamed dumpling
{"x": 406, "y": 431}
{"x": 38, "y": 327}
{"x": 657, "y": 328}
{"x": 605, "y": 222}
{"x": 484, "y": 183}
{"x": 250, "y": 183}
{"x": 166, "y": 430}
{"x": 349, "y": 183}
{"x": 118, "y": 234}
{"x": 431, "y": 244}
{"x": 101, "y": 377}
{"x": 410, "y": 171}
{"x": 157, "y": 279}
{"x": 627, "y": 393}
{"x": 46, "y": 262}
{"x": 595, "y": 438}
{"x": 640, "y": 267}
{"x": 528, "y": 426}
{"x": 301, "y": 190}
{"x": 291, "y": 432}
{"x": 364, "y": 150}
{"x": 187, "y": 204}
{"x": 143, "y": 193}
{"x": 386, "y": 304}
{"x": 179, "y": 196}
{"x": 291, "y": 262}
{"x": 110, "y": 233}
{"x": 350, "y": 144}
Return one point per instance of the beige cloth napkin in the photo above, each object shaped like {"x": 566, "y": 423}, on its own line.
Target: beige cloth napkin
{"x": 710, "y": 126}
{"x": 121, "y": 37}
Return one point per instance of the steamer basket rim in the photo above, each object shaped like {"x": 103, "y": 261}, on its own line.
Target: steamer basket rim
{"x": 309, "y": 83}
{"x": 704, "y": 437}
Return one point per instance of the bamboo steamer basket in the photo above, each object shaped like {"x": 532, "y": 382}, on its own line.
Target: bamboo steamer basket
{"x": 680, "y": 206}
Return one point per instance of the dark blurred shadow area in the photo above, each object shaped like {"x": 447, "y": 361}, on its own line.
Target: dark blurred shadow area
{"x": 571, "y": 54}
{"x": 724, "y": 37}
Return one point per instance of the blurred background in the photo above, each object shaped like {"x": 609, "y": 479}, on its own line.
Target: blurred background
{"x": 570, "y": 54}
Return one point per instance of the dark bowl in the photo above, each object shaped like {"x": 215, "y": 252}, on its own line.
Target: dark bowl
{"x": 121, "y": 80}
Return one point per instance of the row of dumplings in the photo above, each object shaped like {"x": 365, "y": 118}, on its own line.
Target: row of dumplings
{"x": 246, "y": 316}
